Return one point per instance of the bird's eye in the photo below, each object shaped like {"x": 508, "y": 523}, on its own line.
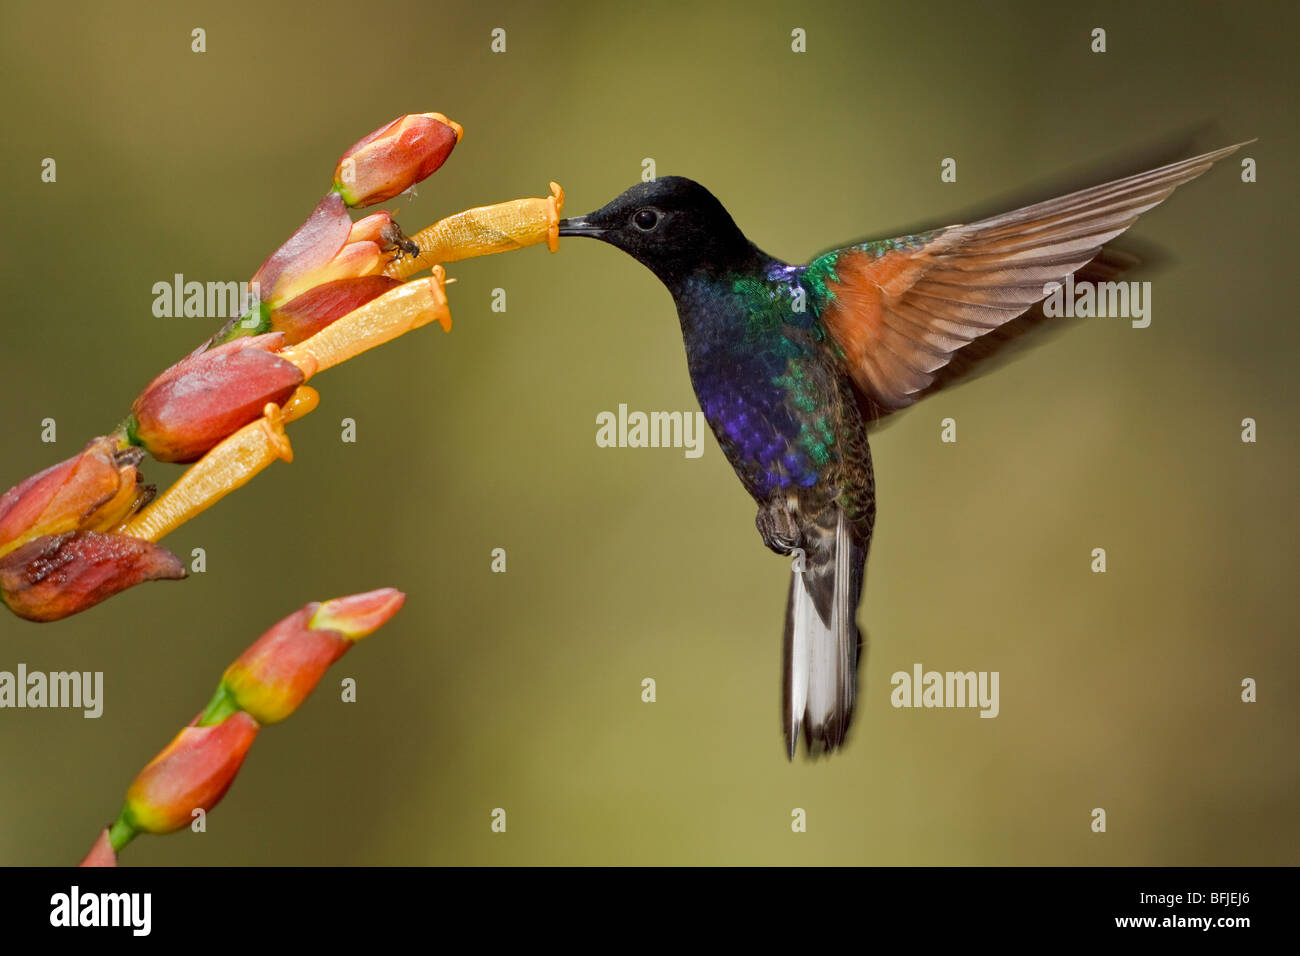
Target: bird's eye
{"x": 645, "y": 219}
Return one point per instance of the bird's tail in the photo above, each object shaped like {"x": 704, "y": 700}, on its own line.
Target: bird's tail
{"x": 821, "y": 637}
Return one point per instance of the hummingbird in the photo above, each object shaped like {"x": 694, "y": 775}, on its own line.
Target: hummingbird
{"x": 792, "y": 366}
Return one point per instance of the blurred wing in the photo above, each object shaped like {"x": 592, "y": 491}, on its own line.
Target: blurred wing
{"x": 903, "y": 309}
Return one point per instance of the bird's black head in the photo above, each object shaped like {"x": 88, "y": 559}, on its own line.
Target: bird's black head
{"x": 672, "y": 225}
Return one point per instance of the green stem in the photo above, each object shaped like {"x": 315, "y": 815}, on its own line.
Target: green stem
{"x": 256, "y": 321}
{"x": 221, "y": 706}
{"x": 125, "y": 433}
{"x": 121, "y": 833}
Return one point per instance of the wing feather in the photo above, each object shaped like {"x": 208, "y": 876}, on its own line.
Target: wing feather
{"x": 902, "y": 309}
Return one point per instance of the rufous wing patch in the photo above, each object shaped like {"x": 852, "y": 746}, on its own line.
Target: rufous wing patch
{"x": 901, "y": 309}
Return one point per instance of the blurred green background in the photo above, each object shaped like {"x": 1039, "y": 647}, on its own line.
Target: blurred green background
{"x": 522, "y": 690}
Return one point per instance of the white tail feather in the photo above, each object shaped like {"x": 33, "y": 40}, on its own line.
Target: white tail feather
{"x": 821, "y": 655}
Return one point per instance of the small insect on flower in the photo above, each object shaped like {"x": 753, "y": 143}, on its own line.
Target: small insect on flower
{"x": 396, "y": 241}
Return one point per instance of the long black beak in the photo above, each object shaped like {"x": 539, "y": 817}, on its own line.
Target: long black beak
{"x": 578, "y": 226}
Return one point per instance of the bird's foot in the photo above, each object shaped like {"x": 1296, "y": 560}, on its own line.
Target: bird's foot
{"x": 778, "y": 526}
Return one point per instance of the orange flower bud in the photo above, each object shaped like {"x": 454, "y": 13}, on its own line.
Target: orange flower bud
{"x": 192, "y": 773}
{"x": 274, "y": 676}
{"x": 394, "y": 158}
{"x": 265, "y": 684}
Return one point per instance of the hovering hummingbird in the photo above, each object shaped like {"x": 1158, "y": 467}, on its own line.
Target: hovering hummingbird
{"x": 792, "y": 363}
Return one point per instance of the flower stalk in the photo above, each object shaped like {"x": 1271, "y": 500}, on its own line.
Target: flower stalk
{"x": 266, "y": 684}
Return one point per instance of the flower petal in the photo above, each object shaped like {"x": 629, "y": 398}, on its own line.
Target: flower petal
{"x": 315, "y": 243}
{"x": 310, "y": 312}
{"x": 358, "y": 615}
{"x": 66, "y": 496}
{"x": 371, "y": 228}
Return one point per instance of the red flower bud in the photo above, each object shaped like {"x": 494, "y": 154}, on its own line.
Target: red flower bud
{"x": 192, "y": 773}
{"x": 394, "y": 158}
{"x": 274, "y": 676}
{"x": 94, "y": 490}
{"x": 55, "y": 576}
{"x": 265, "y": 684}
{"x": 209, "y": 395}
